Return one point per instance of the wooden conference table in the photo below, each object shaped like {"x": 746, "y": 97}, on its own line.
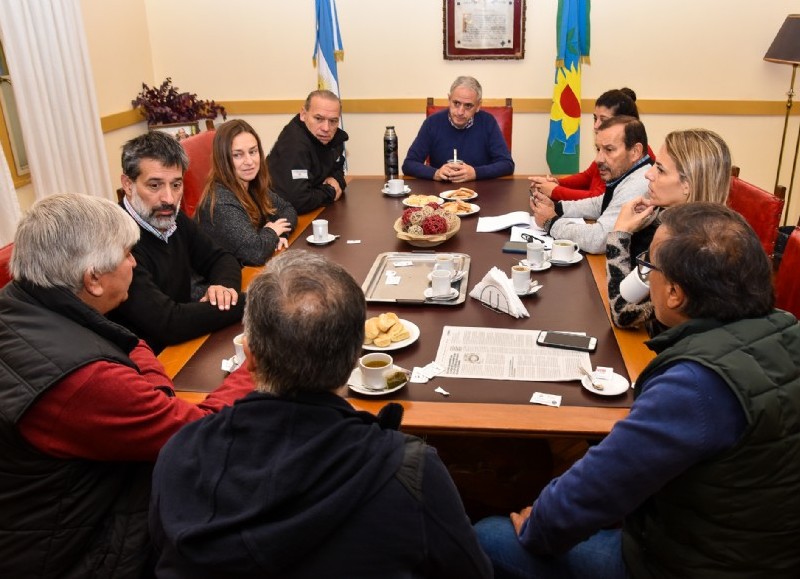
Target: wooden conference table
{"x": 573, "y": 298}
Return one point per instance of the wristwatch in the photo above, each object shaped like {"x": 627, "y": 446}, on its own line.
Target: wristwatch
{"x": 548, "y": 224}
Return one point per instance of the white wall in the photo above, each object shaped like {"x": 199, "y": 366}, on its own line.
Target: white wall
{"x": 261, "y": 50}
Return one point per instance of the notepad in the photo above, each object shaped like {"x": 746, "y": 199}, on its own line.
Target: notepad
{"x": 501, "y": 222}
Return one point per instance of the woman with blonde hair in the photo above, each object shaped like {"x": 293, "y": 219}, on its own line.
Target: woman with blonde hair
{"x": 692, "y": 165}
{"x": 238, "y": 209}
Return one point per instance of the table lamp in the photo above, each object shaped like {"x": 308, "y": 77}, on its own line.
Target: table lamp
{"x": 785, "y": 49}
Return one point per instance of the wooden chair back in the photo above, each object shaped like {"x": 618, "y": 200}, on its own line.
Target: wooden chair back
{"x": 760, "y": 208}
{"x": 504, "y": 115}
{"x": 198, "y": 148}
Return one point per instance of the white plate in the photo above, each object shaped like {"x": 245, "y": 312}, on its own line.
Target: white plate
{"x": 544, "y": 266}
{"x": 433, "y": 199}
{"x": 412, "y": 328}
{"x": 532, "y": 290}
{"x": 356, "y": 384}
{"x": 473, "y": 209}
{"x": 447, "y": 194}
{"x": 575, "y": 259}
{"x": 617, "y": 385}
{"x": 428, "y": 293}
{"x": 453, "y": 279}
{"x": 406, "y": 191}
{"x": 313, "y": 241}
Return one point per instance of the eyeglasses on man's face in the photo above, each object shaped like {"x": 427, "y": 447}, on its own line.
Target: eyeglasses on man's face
{"x": 645, "y": 265}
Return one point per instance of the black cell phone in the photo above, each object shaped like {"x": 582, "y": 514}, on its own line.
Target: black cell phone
{"x": 567, "y": 341}
{"x": 515, "y": 247}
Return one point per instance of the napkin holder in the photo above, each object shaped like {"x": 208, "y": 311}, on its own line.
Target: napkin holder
{"x": 496, "y": 292}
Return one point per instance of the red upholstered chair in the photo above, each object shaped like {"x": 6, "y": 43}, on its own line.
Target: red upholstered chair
{"x": 5, "y": 259}
{"x": 504, "y": 115}
{"x": 787, "y": 280}
{"x": 760, "y": 208}
{"x": 198, "y": 147}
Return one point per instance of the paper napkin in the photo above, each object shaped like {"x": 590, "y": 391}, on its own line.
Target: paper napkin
{"x": 496, "y": 291}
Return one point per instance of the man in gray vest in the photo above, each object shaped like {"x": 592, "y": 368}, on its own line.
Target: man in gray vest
{"x": 704, "y": 473}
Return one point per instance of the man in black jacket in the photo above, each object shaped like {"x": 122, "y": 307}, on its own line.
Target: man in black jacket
{"x": 171, "y": 251}
{"x": 293, "y": 482}
{"x": 306, "y": 163}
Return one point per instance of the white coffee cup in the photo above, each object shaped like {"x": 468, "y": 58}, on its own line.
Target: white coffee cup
{"x": 521, "y": 278}
{"x": 440, "y": 283}
{"x": 444, "y": 261}
{"x": 320, "y": 227}
{"x": 633, "y": 288}
{"x": 535, "y": 253}
{"x": 563, "y": 250}
{"x": 238, "y": 347}
{"x": 395, "y": 186}
{"x": 374, "y": 368}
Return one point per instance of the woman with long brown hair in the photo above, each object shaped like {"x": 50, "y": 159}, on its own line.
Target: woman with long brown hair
{"x": 238, "y": 209}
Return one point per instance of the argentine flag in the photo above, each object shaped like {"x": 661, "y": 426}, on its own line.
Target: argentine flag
{"x": 328, "y": 48}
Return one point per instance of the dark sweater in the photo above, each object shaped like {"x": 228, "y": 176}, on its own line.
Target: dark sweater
{"x": 159, "y": 308}
{"x": 299, "y": 164}
{"x": 232, "y": 229}
{"x": 305, "y": 488}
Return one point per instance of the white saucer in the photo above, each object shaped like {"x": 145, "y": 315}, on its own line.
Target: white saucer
{"x": 544, "y": 266}
{"x": 313, "y": 241}
{"x": 457, "y": 276}
{"x": 575, "y": 259}
{"x": 356, "y": 384}
{"x": 447, "y": 195}
{"x": 413, "y": 330}
{"x": 428, "y": 293}
{"x": 406, "y": 191}
{"x": 531, "y": 290}
{"x": 617, "y": 385}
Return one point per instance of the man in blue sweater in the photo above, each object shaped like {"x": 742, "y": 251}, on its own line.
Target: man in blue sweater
{"x": 462, "y": 127}
{"x": 704, "y": 473}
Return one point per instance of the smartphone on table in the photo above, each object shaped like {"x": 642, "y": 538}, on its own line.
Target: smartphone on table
{"x": 567, "y": 341}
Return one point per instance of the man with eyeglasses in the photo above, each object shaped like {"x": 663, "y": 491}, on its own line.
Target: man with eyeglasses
{"x": 306, "y": 163}
{"x": 460, "y": 143}
{"x": 704, "y": 473}
{"x": 172, "y": 253}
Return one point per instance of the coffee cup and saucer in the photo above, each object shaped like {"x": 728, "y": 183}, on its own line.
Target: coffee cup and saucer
{"x": 320, "y": 235}
{"x": 395, "y": 188}
{"x": 565, "y": 252}
{"x": 376, "y": 374}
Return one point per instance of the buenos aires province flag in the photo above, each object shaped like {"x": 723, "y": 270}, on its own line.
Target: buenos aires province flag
{"x": 572, "y": 49}
{"x": 328, "y": 50}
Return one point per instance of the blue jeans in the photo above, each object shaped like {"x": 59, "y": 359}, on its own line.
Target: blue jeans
{"x": 598, "y": 557}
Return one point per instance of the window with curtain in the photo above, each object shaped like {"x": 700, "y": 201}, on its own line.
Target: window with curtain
{"x": 10, "y": 129}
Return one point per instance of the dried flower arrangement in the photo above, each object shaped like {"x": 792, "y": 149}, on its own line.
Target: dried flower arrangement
{"x": 165, "y": 104}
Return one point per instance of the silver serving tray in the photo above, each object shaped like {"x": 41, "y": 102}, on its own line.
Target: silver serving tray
{"x": 413, "y": 278}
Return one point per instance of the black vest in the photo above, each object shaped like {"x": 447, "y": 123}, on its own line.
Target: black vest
{"x": 62, "y": 517}
{"x": 736, "y": 515}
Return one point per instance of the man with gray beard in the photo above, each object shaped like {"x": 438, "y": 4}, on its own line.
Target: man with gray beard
{"x": 170, "y": 251}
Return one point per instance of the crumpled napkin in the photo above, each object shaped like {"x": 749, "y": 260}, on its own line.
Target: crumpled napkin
{"x": 496, "y": 291}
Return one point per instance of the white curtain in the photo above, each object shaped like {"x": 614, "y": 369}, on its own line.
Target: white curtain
{"x": 9, "y": 203}
{"x": 45, "y": 47}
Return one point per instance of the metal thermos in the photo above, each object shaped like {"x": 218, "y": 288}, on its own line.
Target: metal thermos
{"x": 391, "y": 166}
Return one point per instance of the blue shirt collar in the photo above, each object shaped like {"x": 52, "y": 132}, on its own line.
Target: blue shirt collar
{"x": 162, "y": 235}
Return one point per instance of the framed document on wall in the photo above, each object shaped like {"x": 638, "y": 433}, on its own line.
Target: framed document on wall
{"x": 484, "y": 29}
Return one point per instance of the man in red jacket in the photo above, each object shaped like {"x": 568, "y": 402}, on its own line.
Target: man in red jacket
{"x": 86, "y": 406}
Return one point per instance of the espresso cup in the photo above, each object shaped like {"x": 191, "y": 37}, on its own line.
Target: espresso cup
{"x": 535, "y": 250}
{"x": 395, "y": 186}
{"x": 521, "y": 278}
{"x": 444, "y": 261}
{"x": 563, "y": 250}
{"x": 374, "y": 368}
{"x": 238, "y": 348}
{"x": 440, "y": 282}
{"x": 320, "y": 228}
{"x": 633, "y": 288}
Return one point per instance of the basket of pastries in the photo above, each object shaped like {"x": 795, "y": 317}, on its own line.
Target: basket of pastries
{"x": 427, "y": 226}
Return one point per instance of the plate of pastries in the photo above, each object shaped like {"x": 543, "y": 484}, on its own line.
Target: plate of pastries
{"x": 461, "y": 208}
{"x": 420, "y": 200}
{"x": 388, "y": 332}
{"x": 462, "y": 193}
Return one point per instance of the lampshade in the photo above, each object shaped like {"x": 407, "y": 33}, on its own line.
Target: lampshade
{"x": 786, "y": 46}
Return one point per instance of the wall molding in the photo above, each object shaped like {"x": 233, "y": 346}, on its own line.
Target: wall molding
{"x": 521, "y": 105}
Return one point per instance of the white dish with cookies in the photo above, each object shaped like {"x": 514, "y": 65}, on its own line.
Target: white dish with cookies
{"x": 461, "y": 208}
{"x": 413, "y": 336}
{"x": 463, "y": 193}
{"x": 420, "y": 200}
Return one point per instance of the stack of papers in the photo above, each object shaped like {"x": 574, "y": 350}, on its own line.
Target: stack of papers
{"x": 501, "y": 222}
{"x": 496, "y": 291}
